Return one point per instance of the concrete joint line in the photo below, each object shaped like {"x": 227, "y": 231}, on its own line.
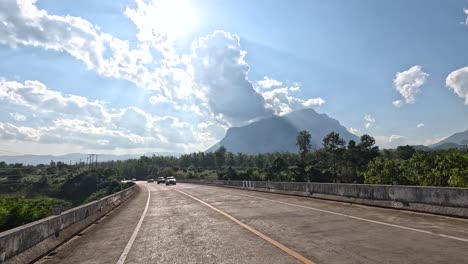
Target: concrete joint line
{"x": 256, "y": 232}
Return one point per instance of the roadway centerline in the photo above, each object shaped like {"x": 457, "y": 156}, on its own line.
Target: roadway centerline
{"x": 358, "y": 218}
{"x": 129, "y": 245}
{"x": 256, "y": 232}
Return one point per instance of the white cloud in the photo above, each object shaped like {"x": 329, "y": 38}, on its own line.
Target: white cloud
{"x": 268, "y": 83}
{"x": 219, "y": 69}
{"x": 458, "y": 82}
{"x": 355, "y": 131}
{"x": 465, "y": 10}
{"x": 211, "y": 82}
{"x": 281, "y": 102}
{"x": 159, "y": 26}
{"x": 295, "y": 88}
{"x": 211, "y": 132}
{"x": 369, "y": 120}
{"x": 391, "y": 141}
{"x": 420, "y": 125}
{"x": 156, "y": 99}
{"x": 71, "y": 119}
{"x": 398, "y": 103}
{"x": 18, "y": 117}
{"x": 409, "y": 82}
{"x": 25, "y": 24}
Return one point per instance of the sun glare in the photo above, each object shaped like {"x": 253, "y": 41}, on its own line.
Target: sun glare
{"x": 174, "y": 17}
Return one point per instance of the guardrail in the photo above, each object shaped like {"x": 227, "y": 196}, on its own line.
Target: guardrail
{"x": 27, "y": 243}
{"x": 435, "y": 200}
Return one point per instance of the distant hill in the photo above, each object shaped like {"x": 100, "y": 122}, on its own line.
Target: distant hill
{"x": 457, "y": 140}
{"x": 278, "y": 133}
{"x": 73, "y": 157}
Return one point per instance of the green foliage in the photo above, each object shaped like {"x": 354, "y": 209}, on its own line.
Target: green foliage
{"x": 17, "y": 210}
{"x": 435, "y": 168}
{"x": 220, "y": 156}
{"x": 383, "y": 171}
{"x": 303, "y": 142}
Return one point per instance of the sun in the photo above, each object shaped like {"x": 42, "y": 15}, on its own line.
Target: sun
{"x": 173, "y": 18}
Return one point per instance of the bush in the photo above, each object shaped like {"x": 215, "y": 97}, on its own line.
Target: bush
{"x": 16, "y": 210}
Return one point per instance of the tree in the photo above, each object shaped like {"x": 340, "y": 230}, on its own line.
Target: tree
{"x": 303, "y": 142}
{"x": 332, "y": 142}
{"x": 231, "y": 174}
{"x": 405, "y": 152}
{"x": 383, "y": 171}
{"x": 220, "y": 156}
{"x": 230, "y": 159}
{"x": 277, "y": 170}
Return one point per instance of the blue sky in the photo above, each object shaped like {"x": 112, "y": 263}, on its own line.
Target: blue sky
{"x": 135, "y": 76}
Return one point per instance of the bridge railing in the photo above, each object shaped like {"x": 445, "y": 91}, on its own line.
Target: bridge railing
{"x": 436, "y": 200}
{"x": 26, "y": 243}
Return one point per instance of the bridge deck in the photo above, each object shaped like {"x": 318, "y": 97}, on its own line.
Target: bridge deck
{"x": 205, "y": 224}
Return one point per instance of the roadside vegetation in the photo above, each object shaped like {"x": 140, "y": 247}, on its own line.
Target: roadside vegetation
{"x": 29, "y": 193}
{"x": 337, "y": 161}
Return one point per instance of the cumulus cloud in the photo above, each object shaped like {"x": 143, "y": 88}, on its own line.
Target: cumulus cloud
{"x": 38, "y": 98}
{"x": 369, "y": 120}
{"x": 268, "y": 83}
{"x": 420, "y": 125}
{"x": 465, "y": 10}
{"x": 408, "y": 83}
{"x": 23, "y": 23}
{"x": 218, "y": 67}
{"x": 212, "y": 81}
{"x": 458, "y": 82}
{"x": 211, "y": 132}
{"x": 76, "y": 120}
{"x": 355, "y": 131}
{"x": 281, "y": 102}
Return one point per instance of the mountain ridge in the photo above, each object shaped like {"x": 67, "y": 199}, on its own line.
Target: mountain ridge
{"x": 278, "y": 133}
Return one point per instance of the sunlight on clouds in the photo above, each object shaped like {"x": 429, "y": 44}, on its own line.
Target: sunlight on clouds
{"x": 169, "y": 18}
{"x": 458, "y": 82}
{"x": 408, "y": 83}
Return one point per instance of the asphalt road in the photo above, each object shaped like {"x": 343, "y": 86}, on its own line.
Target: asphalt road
{"x": 205, "y": 224}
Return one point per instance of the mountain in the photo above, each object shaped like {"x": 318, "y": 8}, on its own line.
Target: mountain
{"x": 457, "y": 140}
{"x": 278, "y": 133}
{"x": 74, "y": 158}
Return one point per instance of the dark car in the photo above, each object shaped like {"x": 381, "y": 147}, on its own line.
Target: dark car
{"x": 150, "y": 180}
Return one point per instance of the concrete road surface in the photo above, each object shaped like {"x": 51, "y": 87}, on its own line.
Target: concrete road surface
{"x": 190, "y": 223}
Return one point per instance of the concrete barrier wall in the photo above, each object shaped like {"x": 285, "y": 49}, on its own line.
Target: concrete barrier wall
{"x": 437, "y": 200}
{"x": 26, "y": 243}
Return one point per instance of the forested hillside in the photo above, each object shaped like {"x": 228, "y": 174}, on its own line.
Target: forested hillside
{"x": 29, "y": 193}
{"x": 337, "y": 161}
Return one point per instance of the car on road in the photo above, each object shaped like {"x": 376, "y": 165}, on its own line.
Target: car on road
{"x": 161, "y": 180}
{"x": 171, "y": 180}
{"x": 133, "y": 179}
{"x": 150, "y": 180}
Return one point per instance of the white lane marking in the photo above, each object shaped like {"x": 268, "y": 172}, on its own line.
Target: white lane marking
{"x": 358, "y": 218}
{"x": 123, "y": 257}
{"x": 362, "y": 219}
